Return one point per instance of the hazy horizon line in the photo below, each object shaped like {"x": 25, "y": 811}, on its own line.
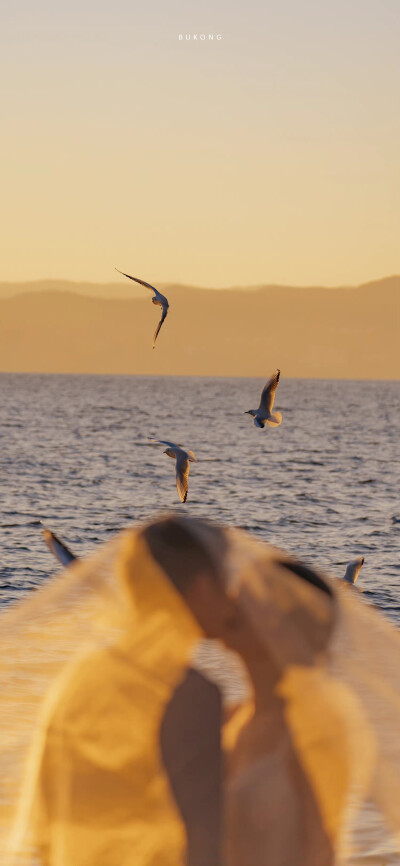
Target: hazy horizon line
{"x": 171, "y": 283}
{"x": 193, "y": 376}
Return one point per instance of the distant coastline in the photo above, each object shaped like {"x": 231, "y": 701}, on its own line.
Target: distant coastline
{"x": 117, "y": 289}
{"x": 59, "y": 327}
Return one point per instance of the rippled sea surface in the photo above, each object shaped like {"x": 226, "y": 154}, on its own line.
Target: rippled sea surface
{"x": 324, "y": 485}
{"x": 74, "y": 453}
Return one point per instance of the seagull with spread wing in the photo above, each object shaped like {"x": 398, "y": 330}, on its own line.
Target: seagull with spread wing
{"x": 183, "y": 460}
{"x": 264, "y": 415}
{"x": 57, "y": 547}
{"x": 353, "y": 570}
{"x": 157, "y": 298}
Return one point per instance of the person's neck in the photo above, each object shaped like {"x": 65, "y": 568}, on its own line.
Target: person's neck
{"x": 264, "y": 677}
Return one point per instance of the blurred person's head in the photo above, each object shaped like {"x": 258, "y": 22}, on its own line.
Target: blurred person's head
{"x": 193, "y": 553}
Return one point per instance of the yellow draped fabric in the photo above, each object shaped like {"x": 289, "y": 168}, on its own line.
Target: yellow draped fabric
{"x": 89, "y": 664}
{"x": 96, "y": 792}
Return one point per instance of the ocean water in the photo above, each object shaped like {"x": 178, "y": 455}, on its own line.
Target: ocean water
{"x": 324, "y": 485}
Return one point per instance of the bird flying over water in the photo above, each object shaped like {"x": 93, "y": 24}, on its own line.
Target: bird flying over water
{"x": 157, "y": 298}
{"x": 353, "y": 570}
{"x": 183, "y": 460}
{"x": 60, "y": 550}
{"x": 264, "y": 415}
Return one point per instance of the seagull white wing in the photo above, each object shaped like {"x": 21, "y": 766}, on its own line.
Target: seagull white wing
{"x": 353, "y": 570}
{"x": 182, "y": 475}
{"x": 137, "y": 280}
{"x": 158, "y": 328}
{"x": 57, "y": 547}
{"x": 268, "y": 393}
{"x": 164, "y": 442}
{"x": 158, "y": 294}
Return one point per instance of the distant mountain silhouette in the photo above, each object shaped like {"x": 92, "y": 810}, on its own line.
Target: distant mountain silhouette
{"x": 315, "y": 332}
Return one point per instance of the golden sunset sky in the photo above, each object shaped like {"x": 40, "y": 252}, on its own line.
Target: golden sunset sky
{"x": 271, "y": 155}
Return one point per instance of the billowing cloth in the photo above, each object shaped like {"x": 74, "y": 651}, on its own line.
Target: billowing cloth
{"x": 111, "y": 742}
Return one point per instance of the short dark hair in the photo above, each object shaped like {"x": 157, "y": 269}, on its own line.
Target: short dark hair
{"x": 184, "y": 547}
{"x": 307, "y": 574}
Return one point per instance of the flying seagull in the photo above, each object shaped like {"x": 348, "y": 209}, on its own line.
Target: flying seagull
{"x": 264, "y": 415}
{"x": 58, "y": 548}
{"x": 158, "y": 299}
{"x": 353, "y": 570}
{"x": 183, "y": 460}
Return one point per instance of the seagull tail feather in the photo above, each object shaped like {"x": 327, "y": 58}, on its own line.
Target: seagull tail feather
{"x": 275, "y": 419}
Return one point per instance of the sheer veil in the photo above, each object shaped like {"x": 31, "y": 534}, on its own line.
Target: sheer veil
{"x": 113, "y": 626}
